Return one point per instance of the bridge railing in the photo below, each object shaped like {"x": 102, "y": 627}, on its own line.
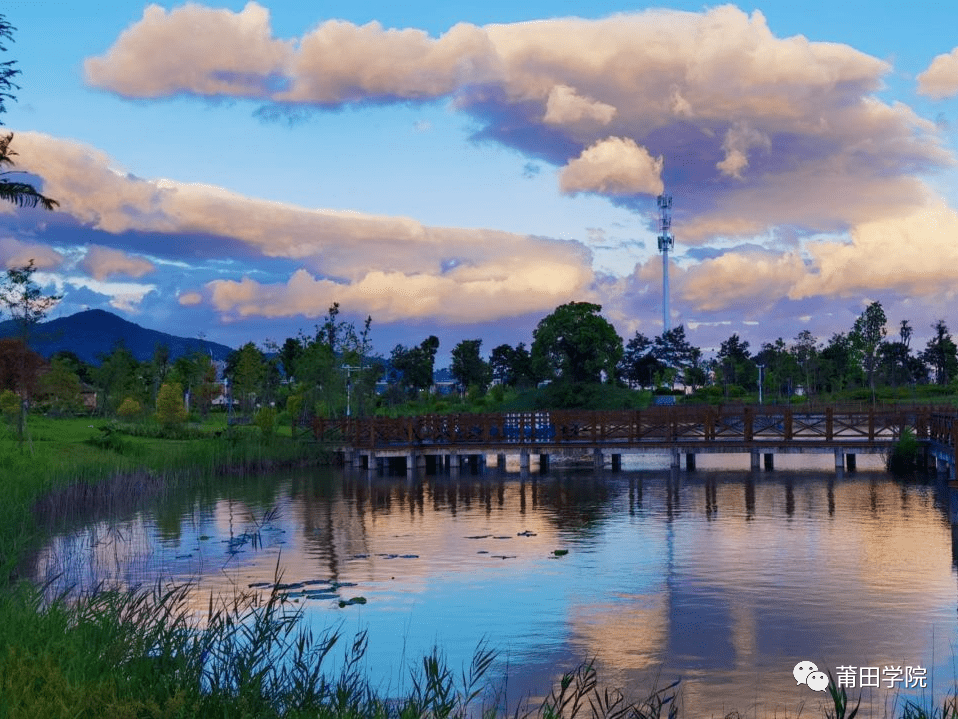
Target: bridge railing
{"x": 662, "y": 425}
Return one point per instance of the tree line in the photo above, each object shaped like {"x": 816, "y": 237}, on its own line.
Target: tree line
{"x": 332, "y": 370}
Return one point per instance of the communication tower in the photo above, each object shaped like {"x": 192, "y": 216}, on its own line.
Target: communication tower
{"x": 666, "y": 242}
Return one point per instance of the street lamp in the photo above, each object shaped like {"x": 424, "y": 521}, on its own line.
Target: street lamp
{"x": 349, "y": 385}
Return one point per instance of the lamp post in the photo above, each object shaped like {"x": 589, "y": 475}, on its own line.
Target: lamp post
{"x": 349, "y": 385}
{"x": 761, "y": 376}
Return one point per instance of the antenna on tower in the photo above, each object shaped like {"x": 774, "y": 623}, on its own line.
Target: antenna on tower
{"x": 666, "y": 243}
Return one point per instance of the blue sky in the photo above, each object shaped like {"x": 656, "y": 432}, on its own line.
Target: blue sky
{"x": 462, "y": 169}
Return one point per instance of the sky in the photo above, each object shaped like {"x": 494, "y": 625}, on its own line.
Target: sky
{"x": 461, "y": 169}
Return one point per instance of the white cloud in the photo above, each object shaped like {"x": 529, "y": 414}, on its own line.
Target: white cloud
{"x": 614, "y": 166}
{"x": 377, "y": 260}
{"x": 763, "y": 121}
{"x": 940, "y": 80}
{"x": 565, "y": 107}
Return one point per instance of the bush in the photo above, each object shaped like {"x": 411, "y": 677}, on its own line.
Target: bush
{"x": 266, "y": 421}
{"x": 129, "y": 409}
{"x": 170, "y": 409}
{"x": 903, "y": 457}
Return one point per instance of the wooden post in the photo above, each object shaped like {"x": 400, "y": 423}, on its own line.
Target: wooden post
{"x": 871, "y": 425}
{"x": 829, "y": 423}
{"x": 788, "y": 425}
{"x": 748, "y": 420}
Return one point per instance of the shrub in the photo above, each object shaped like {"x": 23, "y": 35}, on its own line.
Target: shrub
{"x": 170, "y": 409}
{"x": 266, "y": 421}
{"x": 129, "y": 409}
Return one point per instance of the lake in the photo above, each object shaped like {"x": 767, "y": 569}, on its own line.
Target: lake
{"x": 721, "y": 577}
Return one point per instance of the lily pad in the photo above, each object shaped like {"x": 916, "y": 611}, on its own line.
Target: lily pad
{"x": 479, "y": 536}
{"x": 205, "y": 537}
{"x": 354, "y": 600}
{"x": 560, "y": 552}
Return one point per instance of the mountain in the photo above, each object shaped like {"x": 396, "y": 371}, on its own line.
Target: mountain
{"x": 95, "y": 332}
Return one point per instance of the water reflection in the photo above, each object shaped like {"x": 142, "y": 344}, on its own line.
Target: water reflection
{"x": 725, "y": 579}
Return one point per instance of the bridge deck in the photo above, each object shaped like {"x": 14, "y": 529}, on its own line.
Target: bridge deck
{"x": 684, "y": 429}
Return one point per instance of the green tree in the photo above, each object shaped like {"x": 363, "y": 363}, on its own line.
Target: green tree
{"x": 119, "y": 376}
{"x": 576, "y": 344}
{"x": 639, "y": 365}
{"x": 61, "y": 387}
{"x": 867, "y": 336}
{"x": 734, "y": 364}
{"x": 248, "y": 375}
{"x": 841, "y": 363}
{"x": 674, "y": 352}
{"x": 805, "y": 351}
{"x": 780, "y": 371}
{"x": 415, "y": 364}
{"x": 940, "y": 353}
{"x": 170, "y": 409}
{"x": 468, "y": 366}
{"x": 512, "y": 366}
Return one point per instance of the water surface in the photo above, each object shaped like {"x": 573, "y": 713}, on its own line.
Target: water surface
{"x": 723, "y": 578}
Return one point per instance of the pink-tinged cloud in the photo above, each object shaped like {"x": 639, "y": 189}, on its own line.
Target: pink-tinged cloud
{"x": 768, "y": 124}
{"x": 15, "y": 253}
{"x": 614, "y": 166}
{"x": 104, "y": 263}
{"x": 463, "y": 296}
{"x": 193, "y": 50}
{"x": 356, "y": 254}
{"x": 190, "y": 299}
{"x": 940, "y": 80}
{"x": 565, "y": 107}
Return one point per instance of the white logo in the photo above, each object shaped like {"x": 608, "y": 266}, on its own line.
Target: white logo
{"x": 807, "y": 673}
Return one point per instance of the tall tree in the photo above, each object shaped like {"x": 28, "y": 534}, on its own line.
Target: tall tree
{"x": 249, "y": 375}
{"x": 19, "y": 192}
{"x": 512, "y": 366}
{"x": 415, "y": 364}
{"x": 806, "y": 352}
{"x": 867, "y": 336}
{"x": 576, "y": 344}
{"x": 468, "y": 366}
{"x": 734, "y": 364}
{"x": 117, "y": 378}
{"x": 639, "y": 365}
{"x": 24, "y": 300}
{"x": 940, "y": 353}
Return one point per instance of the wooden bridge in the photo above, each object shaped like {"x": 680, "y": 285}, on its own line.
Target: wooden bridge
{"x": 756, "y": 430}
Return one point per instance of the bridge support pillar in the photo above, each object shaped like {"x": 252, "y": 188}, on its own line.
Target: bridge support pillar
{"x": 597, "y": 459}
{"x": 769, "y": 461}
{"x": 501, "y": 461}
{"x": 676, "y": 460}
{"x": 941, "y": 465}
{"x": 756, "y": 459}
{"x": 453, "y": 462}
{"x": 616, "y": 462}
{"x": 543, "y": 462}
{"x": 524, "y": 459}
{"x": 690, "y": 461}
{"x": 850, "y": 462}
{"x": 839, "y": 460}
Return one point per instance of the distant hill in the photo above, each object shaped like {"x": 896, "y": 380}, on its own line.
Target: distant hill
{"x": 95, "y": 332}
